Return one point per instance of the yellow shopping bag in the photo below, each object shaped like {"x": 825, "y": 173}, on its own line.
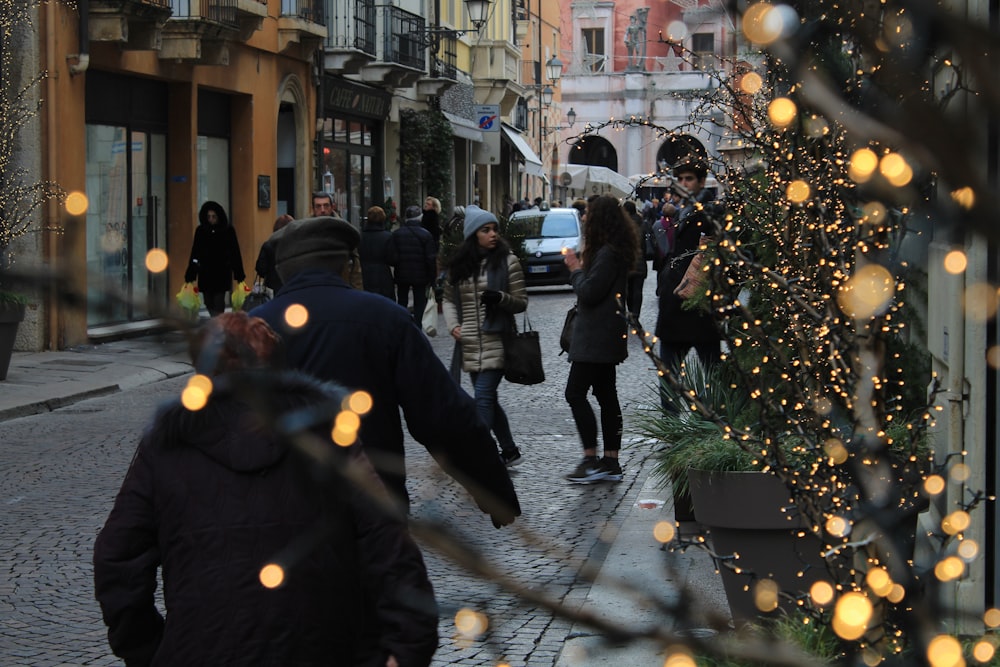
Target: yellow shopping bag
{"x": 239, "y": 294}
{"x": 188, "y": 299}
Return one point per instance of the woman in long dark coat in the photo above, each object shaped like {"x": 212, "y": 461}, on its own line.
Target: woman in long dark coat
{"x": 215, "y": 257}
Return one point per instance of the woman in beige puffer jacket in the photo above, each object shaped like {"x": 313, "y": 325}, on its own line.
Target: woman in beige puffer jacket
{"x": 485, "y": 288}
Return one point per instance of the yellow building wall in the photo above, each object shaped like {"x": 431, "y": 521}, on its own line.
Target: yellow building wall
{"x": 253, "y": 77}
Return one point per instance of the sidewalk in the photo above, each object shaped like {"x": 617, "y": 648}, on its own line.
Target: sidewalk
{"x": 39, "y": 382}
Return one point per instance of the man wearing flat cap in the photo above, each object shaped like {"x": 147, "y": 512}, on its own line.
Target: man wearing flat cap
{"x": 365, "y": 341}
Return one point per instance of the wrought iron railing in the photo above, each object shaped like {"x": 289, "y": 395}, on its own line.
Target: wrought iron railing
{"x": 308, "y": 10}
{"x": 404, "y": 38}
{"x": 222, "y": 12}
{"x": 351, "y": 25}
{"x": 445, "y": 62}
{"x": 162, "y": 4}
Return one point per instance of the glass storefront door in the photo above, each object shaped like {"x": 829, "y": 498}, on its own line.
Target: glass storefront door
{"x": 126, "y": 186}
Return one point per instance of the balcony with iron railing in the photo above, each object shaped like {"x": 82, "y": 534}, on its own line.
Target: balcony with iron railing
{"x": 133, "y": 24}
{"x": 401, "y": 58}
{"x": 301, "y": 22}
{"x": 200, "y": 31}
{"x": 351, "y": 35}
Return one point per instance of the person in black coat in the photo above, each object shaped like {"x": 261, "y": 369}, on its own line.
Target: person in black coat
{"x": 375, "y": 271}
{"x": 681, "y": 329}
{"x": 215, "y": 257}
{"x": 272, "y": 553}
{"x": 600, "y": 343}
{"x": 364, "y": 341}
{"x": 413, "y": 253}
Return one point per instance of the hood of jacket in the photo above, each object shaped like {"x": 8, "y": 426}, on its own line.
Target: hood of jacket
{"x": 244, "y": 423}
{"x": 223, "y": 219}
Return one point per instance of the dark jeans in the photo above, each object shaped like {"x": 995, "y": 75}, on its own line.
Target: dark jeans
{"x": 419, "y": 298}
{"x": 673, "y": 353}
{"x": 215, "y": 302}
{"x": 602, "y": 378}
{"x": 484, "y": 384}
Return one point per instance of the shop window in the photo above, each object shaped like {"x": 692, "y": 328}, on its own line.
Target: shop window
{"x": 703, "y": 46}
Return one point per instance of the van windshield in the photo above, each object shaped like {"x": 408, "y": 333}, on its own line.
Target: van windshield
{"x": 552, "y": 226}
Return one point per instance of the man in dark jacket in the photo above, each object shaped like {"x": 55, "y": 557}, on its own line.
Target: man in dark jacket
{"x": 681, "y": 329}
{"x": 413, "y": 253}
{"x": 364, "y": 341}
{"x": 268, "y": 556}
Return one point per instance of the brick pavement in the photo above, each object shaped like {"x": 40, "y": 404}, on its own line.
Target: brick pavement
{"x": 59, "y": 473}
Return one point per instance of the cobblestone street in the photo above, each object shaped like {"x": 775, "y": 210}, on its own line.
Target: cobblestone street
{"x": 60, "y": 471}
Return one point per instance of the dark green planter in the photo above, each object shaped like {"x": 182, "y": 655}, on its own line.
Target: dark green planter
{"x": 743, "y": 513}
{"x": 11, "y": 316}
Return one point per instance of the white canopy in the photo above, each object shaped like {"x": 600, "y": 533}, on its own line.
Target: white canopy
{"x": 584, "y": 180}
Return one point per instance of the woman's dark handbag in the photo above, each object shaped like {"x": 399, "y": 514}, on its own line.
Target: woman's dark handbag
{"x": 522, "y": 355}
{"x": 258, "y": 295}
{"x": 566, "y": 335}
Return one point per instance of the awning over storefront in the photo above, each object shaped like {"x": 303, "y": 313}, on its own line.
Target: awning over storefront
{"x": 463, "y": 128}
{"x": 532, "y": 163}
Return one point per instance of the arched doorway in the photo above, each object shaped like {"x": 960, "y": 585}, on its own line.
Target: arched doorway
{"x": 291, "y": 194}
{"x": 678, "y": 147}
{"x": 594, "y": 151}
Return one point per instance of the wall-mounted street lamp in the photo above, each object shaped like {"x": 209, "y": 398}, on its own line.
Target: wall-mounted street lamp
{"x": 553, "y": 69}
{"x": 570, "y": 118}
{"x": 479, "y": 14}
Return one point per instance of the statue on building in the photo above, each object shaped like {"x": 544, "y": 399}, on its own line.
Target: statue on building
{"x": 635, "y": 39}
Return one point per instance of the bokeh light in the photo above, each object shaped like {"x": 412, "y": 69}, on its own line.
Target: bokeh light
{"x": 983, "y": 651}
{"x": 679, "y": 656}
{"x": 782, "y": 112}
{"x": 956, "y": 522}
{"x": 272, "y": 575}
{"x": 868, "y": 292}
{"x": 991, "y": 617}
{"x": 470, "y": 623}
{"x": 157, "y": 260}
{"x": 296, "y": 315}
{"x": 77, "y": 203}
{"x": 949, "y": 569}
{"x": 754, "y": 24}
{"x": 751, "y": 83}
{"x": 862, "y": 165}
{"x": 851, "y": 615}
{"x": 980, "y": 302}
{"x": 879, "y": 581}
{"x": 797, "y": 192}
{"x": 964, "y": 197}
{"x": 955, "y": 262}
{"x": 821, "y": 593}
{"x": 195, "y": 395}
{"x": 968, "y": 550}
{"x": 960, "y": 472}
{"x": 945, "y": 651}
{"x": 360, "y": 402}
{"x": 664, "y": 531}
{"x": 345, "y": 428}
{"x": 934, "y": 484}
{"x": 993, "y": 356}
{"x": 838, "y": 526}
{"x": 765, "y": 595}
{"x": 896, "y": 169}
{"x": 836, "y": 450}
{"x": 677, "y": 31}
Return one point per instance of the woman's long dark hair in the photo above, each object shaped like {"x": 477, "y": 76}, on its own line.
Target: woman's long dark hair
{"x": 465, "y": 261}
{"x": 606, "y": 224}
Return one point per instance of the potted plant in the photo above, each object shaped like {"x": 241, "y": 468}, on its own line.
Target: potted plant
{"x": 754, "y": 527}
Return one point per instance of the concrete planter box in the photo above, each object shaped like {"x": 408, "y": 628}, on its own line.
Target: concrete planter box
{"x": 11, "y": 315}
